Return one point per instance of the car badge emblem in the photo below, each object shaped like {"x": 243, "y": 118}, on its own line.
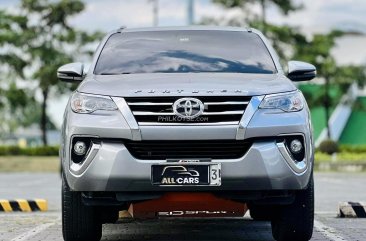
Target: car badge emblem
{"x": 188, "y": 108}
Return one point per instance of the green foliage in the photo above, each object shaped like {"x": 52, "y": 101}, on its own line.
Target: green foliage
{"x": 18, "y": 107}
{"x": 285, "y": 6}
{"x": 314, "y": 94}
{"x": 42, "y": 34}
{"x": 11, "y": 35}
{"x": 284, "y": 39}
{"x": 328, "y": 146}
{"x": 29, "y": 151}
{"x": 290, "y": 43}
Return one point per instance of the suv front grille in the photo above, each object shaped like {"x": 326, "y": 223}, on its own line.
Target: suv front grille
{"x": 193, "y": 149}
{"x": 225, "y": 110}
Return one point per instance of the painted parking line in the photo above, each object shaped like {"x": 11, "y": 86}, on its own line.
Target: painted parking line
{"x": 32, "y": 232}
{"x": 327, "y": 231}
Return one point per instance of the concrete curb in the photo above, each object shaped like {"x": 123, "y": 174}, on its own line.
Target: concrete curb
{"x": 352, "y": 210}
{"x": 22, "y": 205}
{"x": 340, "y": 167}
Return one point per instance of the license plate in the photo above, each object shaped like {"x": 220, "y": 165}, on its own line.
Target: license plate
{"x": 186, "y": 174}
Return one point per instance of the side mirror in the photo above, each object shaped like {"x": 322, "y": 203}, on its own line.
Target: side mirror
{"x": 73, "y": 72}
{"x": 300, "y": 71}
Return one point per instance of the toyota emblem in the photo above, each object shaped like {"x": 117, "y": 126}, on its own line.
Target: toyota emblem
{"x": 188, "y": 108}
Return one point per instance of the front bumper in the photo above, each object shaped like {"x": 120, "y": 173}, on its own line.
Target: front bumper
{"x": 111, "y": 168}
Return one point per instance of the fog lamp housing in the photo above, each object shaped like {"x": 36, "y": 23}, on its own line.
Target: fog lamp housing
{"x": 80, "y": 148}
{"x": 295, "y": 146}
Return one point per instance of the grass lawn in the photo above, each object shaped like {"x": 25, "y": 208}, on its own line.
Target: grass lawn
{"x": 29, "y": 164}
{"x": 342, "y": 157}
{"x": 52, "y": 163}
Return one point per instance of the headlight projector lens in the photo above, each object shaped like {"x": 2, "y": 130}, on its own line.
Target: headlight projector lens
{"x": 80, "y": 148}
{"x": 296, "y": 146}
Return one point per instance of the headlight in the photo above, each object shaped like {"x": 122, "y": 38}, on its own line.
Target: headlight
{"x": 83, "y": 103}
{"x": 288, "y": 102}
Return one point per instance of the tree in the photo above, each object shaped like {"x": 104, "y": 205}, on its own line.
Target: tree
{"x": 317, "y": 50}
{"x": 285, "y": 6}
{"x": 10, "y": 38}
{"x": 282, "y": 37}
{"x": 47, "y": 42}
{"x": 19, "y": 108}
{"x": 12, "y": 66}
{"x": 290, "y": 43}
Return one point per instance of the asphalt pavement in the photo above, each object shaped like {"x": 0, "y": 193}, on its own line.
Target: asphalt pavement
{"x": 330, "y": 188}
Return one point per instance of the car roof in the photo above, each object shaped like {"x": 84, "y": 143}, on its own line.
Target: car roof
{"x": 186, "y": 28}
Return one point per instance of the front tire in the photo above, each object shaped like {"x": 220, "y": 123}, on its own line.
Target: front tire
{"x": 296, "y": 221}
{"x": 79, "y": 222}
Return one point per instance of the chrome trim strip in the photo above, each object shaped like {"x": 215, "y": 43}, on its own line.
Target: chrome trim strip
{"x": 130, "y": 119}
{"x": 227, "y": 103}
{"x": 79, "y": 168}
{"x": 206, "y": 103}
{"x": 189, "y": 124}
{"x": 238, "y": 112}
{"x": 248, "y": 114}
{"x": 149, "y": 103}
{"x": 152, "y": 113}
{"x": 298, "y": 167}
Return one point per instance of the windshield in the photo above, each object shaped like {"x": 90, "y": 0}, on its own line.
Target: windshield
{"x": 188, "y": 51}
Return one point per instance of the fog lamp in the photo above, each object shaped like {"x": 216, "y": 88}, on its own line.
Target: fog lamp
{"x": 296, "y": 146}
{"x": 80, "y": 148}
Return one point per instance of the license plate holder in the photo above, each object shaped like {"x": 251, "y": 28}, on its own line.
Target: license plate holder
{"x": 182, "y": 174}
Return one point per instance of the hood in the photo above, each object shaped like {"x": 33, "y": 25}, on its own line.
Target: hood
{"x": 183, "y": 84}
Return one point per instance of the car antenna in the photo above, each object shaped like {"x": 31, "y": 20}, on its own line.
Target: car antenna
{"x": 121, "y": 29}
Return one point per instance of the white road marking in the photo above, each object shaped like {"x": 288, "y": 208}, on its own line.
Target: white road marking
{"x": 32, "y": 232}
{"x": 328, "y": 232}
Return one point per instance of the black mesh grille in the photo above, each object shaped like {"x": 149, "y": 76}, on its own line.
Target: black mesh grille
{"x": 162, "y": 150}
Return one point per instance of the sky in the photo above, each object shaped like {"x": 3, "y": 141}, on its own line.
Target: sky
{"x": 109, "y": 14}
{"x": 316, "y": 16}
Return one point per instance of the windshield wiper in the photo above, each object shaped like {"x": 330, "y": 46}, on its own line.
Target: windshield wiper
{"x": 106, "y": 73}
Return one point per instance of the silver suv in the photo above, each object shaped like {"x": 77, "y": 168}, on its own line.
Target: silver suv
{"x": 187, "y": 122}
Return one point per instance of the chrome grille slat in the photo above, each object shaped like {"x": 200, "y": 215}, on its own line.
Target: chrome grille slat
{"x": 203, "y": 114}
{"x": 218, "y": 110}
{"x": 152, "y": 113}
{"x": 148, "y": 103}
{"x": 238, "y": 112}
{"x": 228, "y": 103}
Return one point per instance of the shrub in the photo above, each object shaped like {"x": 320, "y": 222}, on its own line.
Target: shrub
{"x": 328, "y": 146}
{"x": 29, "y": 151}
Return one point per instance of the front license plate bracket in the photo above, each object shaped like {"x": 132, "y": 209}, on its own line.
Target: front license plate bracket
{"x": 181, "y": 174}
